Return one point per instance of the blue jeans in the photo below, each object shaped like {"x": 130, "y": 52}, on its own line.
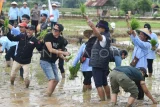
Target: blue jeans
{"x": 50, "y": 70}
{"x": 118, "y": 60}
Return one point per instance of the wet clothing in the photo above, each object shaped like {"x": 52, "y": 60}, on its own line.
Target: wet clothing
{"x": 57, "y": 43}
{"x": 26, "y": 46}
{"x": 150, "y": 65}
{"x": 61, "y": 65}
{"x": 87, "y": 77}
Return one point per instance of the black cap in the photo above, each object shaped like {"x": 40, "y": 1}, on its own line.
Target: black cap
{"x": 147, "y": 26}
{"x": 26, "y": 16}
{"x": 60, "y": 26}
{"x": 144, "y": 71}
{"x": 43, "y": 14}
{"x": 123, "y": 52}
{"x": 103, "y": 24}
{"x": 31, "y": 27}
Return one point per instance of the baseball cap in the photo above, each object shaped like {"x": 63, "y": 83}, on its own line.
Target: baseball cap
{"x": 22, "y": 24}
{"x": 60, "y": 26}
{"x": 43, "y": 14}
{"x": 147, "y": 25}
{"x": 144, "y": 71}
{"x": 31, "y": 27}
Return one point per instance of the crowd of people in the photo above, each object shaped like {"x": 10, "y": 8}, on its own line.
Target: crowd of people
{"x": 95, "y": 55}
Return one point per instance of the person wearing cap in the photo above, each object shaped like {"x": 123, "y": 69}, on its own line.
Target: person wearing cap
{"x": 24, "y": 10}
{"x": 55, "y": 13}
{"x": 52, "y": 50}
{"x": 141, "y": 49}
{"x": 26, "y": 45}
{"x": 125, "y": 77}
{"x": 35, "y": 16}
{"x": 13, "y": 13}
{"x": 44, "y": 10}
{"x": 152, "y": 54}
{"x": 99, "y": 60}
{"x": 5, "y": 43}
{"x": 117, "y": 55}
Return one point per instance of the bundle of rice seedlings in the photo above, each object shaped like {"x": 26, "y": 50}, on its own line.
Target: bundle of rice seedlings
{"x": 42, "y": 34}
{"x": 73, "y": 71}
{"x": 6, "y": 23}
{"x": 83, "y": 9}
{"x": 153, "y": 42}
{"x": 134, "y": 24}
{"x": 70, "y": 57}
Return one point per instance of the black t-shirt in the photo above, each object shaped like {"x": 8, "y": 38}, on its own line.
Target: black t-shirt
{"x": 57, "y": 43}
{"x": 132, "y": 72}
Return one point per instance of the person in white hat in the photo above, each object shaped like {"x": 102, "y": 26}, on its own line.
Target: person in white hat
{"x": 141, "y": 49}
{"x": 24, "y": 10}
{"x": 55, "y": 13}
{"x": 44, "y": 10}
{"x": 13, "y": 13}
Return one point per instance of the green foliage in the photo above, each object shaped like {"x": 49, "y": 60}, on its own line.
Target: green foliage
{"x": 135, "y": 24}
{"x": 42, "y": 34}
{"x": 156, "y": 15}
{"x": 82, "y": 8}
{"x": 74, "y": 70}
{"x": 76, "y": 13}
{"x": 121, "y": 13}
{"x": 153, "y": 42}
{"x": 144, "y": 5}
{"x": 127, "y": 5}
{"x": 6, "y": 23}
{"x": 70, "y": 57}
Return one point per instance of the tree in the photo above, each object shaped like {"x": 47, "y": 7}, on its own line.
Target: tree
{"x": 144, "y": 5}
{"x": 127, "y": 5}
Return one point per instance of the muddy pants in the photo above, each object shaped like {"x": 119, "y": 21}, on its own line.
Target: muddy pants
{"x": 61, "y": 65}
{"x": 118, "y": 79}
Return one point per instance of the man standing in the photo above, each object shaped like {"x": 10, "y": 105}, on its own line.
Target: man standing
{"x": 55, "y": 13}
{"x": 24, "y": 10}
{"x": 99, "y": 60}
{"x": 13, "y": 13}
{"x": 35, "y": 16}
{"x": 126, "y": 76}
{"x": 151, "y": 55}
{"x": 44, "y": 10}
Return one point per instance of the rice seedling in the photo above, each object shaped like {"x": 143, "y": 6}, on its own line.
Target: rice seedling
{"x": 42, "y": 34}
{"x": 135, "y": 24}
{"x": 73, "y": 71}
{"x": 83, "y": 9}
{"x": 6, "y": 23}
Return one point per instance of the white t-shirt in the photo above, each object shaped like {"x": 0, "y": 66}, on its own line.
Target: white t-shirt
{"x": 103, "y": 42}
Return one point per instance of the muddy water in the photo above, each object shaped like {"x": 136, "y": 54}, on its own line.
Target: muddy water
{"x": 68, "y": 92}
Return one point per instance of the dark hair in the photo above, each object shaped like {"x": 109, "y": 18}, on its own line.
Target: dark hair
{"x": 146, "y": 35}
{"x": 35, "y": 3}
{"x": 103, "y": 24}
{"x": 26, "y": 16}
{"x": 124, "y": 52}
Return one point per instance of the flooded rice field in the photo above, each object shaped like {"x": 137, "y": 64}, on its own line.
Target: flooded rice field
{"x": 68, "y": 93}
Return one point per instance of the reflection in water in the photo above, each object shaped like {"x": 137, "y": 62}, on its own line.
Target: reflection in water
{"x": 69, "y": 92}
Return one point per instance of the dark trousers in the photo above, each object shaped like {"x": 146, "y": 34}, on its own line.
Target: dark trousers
{"x": 52, "y": 24}
{"x": 150, "y": 65}
{"x": 35, "y": 23}
{"x": 87, "y": 77}
{"x": 140, "y": 90}
{"x": 10, "y": 53}
{"x": 61, "y": 65}
{"x": 12, "y": 22}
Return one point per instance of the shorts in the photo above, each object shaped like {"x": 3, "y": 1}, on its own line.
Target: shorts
{"x": 87, "y": 77}
{"x": 50, "y": 70}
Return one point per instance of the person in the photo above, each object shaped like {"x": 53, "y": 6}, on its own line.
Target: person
{"x": 13, "y": 13}
{"x": 10, "y": 47}
{"x": 35, "y": 16}
{"x": 125, "y": 77}
{"x": 141, "y": 48}
{"x": 85, "y": 68}
{"x": 55, "y": 13}
{"x": 152, "y": 55}
{"x": 53, "y": 44}
{"x": 26, "y": 45}
{"x": 117, "y": 55}
{"x": 99, "y": 59}
{"x": 44, "y": 11}
{"x": 24, "y": 10}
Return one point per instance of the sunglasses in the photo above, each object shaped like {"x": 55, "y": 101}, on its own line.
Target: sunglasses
{"x": 56, "y": 30}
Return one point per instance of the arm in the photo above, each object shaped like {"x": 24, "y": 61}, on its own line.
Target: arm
{"x": 13, "y": 38}
{"x": 146, "y": 91}
{"x": 79, "y": 54}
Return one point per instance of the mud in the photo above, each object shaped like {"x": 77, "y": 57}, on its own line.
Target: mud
{"x": 68, "y": 92}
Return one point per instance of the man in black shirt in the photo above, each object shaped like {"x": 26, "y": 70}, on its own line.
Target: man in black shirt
{"x": 26, "y": 45}
{"x": 126, "y": 76}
